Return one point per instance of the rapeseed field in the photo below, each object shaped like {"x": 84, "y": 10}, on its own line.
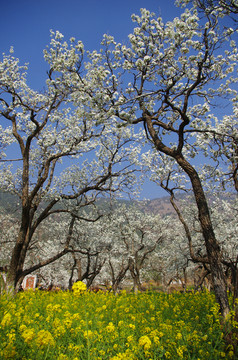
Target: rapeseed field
{"x": 81, "y": 325}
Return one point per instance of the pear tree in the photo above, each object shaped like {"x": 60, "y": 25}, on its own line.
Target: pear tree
{"x": 164, "y": 81}
{"x": 55, "y": 149}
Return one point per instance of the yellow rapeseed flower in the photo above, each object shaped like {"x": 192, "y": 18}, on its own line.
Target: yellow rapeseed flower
{"x": 62, "y": 357}
{"x": 145, "y": 342}
{"x": 79, "y": 287}
{"x": 132, "y": 326}
{"x": 11, "y": 336}
{"x": 156, "y": 340}
{"x": 6, "y": 321}
{"x": 88, "y": 334}
{"x": 44, "y": 338}
{"x": 110, "y": 327}
{"x": 76, "y": 316}
{"x": 68, "y": 323}
{"x": 120, "y": 356}
{"x": 9, "y": 351}
{"x": 28, "y": 334}
{"x": 180, "y": 352}
{"x": 130, "y": 338}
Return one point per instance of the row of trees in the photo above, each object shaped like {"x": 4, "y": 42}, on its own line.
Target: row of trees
{"x": 129, "y": 244}
{"x": 104, "y": 117}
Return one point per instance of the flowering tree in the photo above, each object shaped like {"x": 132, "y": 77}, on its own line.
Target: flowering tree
{"x": 219, "y": 143}
{"x": 171, "y": 73}
{"x": 223, "y": 211}
{"x": 54, "y": 147}
{"x": 117, "y": 244}
{"x": 89, "y": 249}
{"x": 134, "y": 238}
{"x": 225, "y": 7}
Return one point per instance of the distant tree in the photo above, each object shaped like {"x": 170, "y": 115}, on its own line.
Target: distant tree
{"x": 89, "y": 249}
{"x": 223, "y": 209}
{"x": 134, "y": 237}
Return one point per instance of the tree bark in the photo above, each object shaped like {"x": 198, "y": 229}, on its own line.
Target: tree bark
{"x": 116, "y": 280}
{"x": 212, "y": 246}
{"x": 135, "y": 276}
{"x": 16, "y": 263}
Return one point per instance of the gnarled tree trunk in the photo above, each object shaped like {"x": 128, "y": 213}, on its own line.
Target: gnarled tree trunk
{"x": 213, "y": 249}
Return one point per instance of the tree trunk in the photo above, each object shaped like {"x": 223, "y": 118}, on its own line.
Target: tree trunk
{"x": 116, "y": 280}
{"x": 212, "y": 246}
{"x": 15, "y": 268}
{"x": 20, "y": 249}
{"x": 79, "y": 268}
{"x": 185, "y": 279}
{"x": 135, "y": 276}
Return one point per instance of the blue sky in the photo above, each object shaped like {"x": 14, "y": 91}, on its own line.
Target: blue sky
{"x": 26, "y": 24}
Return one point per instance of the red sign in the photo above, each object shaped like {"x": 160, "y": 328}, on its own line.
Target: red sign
{"x": 29, "y": 282}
